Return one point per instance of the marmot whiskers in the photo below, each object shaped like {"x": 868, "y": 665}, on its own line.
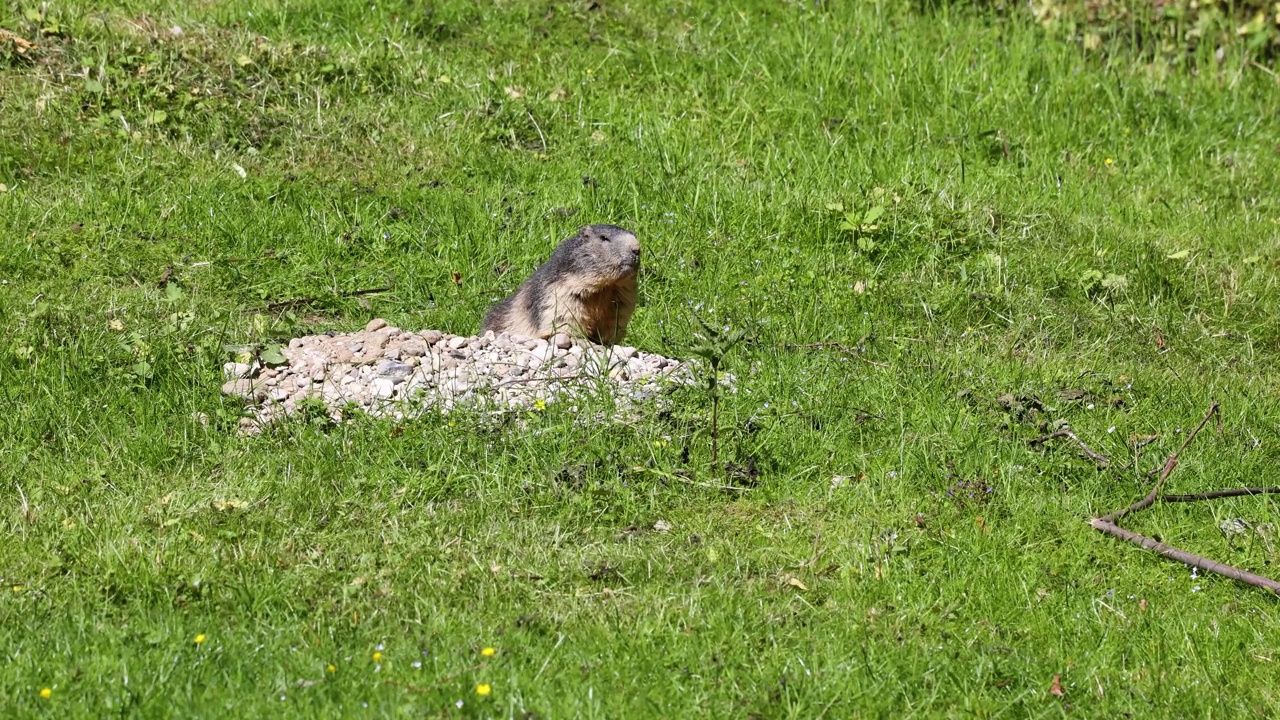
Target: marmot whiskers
{"x": 587, "y": 288}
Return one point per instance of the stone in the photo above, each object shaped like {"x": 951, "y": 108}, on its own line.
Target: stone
{"x": 394, "y": 373}
{"x": 383, "y": 387}
{"x": 243, "y": 387}
{"x": 234, "y": 370}
{"x": 413, "y": 348}
{"x": 375, "y": 324}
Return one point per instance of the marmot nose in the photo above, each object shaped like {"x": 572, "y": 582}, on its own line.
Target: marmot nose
{"x": 633, "y": 244}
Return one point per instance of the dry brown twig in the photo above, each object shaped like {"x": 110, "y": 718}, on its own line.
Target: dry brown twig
{"x": 1102, "y": 460}
{"x": 1108, "y": 523}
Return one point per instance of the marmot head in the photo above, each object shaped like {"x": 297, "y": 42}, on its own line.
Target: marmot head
{"x": 607, "y": 253}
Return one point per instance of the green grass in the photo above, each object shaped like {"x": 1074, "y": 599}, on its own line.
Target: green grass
{"x": 1033, "y": 195}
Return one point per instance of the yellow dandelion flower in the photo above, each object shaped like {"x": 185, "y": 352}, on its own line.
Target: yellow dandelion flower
{"x": 199, "y": 638}
{"x": 47, "y": 693}
{"x": 1109, "y": 162}
{"x": 488, "y": 652}
{"x": 377, "y": 657}
{"x": 483, "y": 689}
{"x": 539, "y": 404}
{"x": 331, "y": 668}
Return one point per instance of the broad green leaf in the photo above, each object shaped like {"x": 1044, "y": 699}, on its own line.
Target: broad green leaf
{"x": 272, "y": 355}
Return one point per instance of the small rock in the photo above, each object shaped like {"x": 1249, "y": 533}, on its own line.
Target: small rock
{"x": 375, "y": 324}
{"x": 562, "y": 341}
{"x": 622, "y": 352}
{"x": 458, "y": 342}
{"x": 234, "y": 370}
{"x": 413, "y": 348}
{"x": 243, "y": 387}
{"x": 392, "y": 352}
{"x": 383, "y": 387}
{"x": 431, "y": 337}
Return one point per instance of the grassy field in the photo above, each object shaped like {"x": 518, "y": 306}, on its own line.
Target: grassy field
{"x": 1002, "y": 230}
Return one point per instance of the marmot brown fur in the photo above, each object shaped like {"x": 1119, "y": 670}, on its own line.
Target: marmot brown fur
{"x": 587, "y": 289}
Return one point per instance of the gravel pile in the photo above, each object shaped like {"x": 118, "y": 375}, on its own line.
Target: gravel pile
{"x": 387, "y": 371}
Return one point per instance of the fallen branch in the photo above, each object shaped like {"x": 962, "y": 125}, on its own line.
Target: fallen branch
{"x": 281, "y": 304}
{"x": 1107, "y": 523}
{"x": 1169, "y": 465}
{"x": 1236, "y": 492}
{"x": 1183, "y": 556}
{"x": 1102, "y": 460}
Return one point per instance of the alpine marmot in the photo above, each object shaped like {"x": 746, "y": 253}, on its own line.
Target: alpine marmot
{"x": 587, "y": 289}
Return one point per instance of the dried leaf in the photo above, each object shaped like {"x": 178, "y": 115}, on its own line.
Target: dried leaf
{"x": 662, "y": 526}
{"x": 1056, "y": 687}
{"x": 239, "y": 170}
{"x": 115, "y": 325}
{"x": 515, "y": 92}
{"x": 21, "y": 44}
{"x": 557, "y": 94}
{"x": 795, "y": 582}
{"x": 226, "y": 505}
{"x": 1180, "y": 255}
